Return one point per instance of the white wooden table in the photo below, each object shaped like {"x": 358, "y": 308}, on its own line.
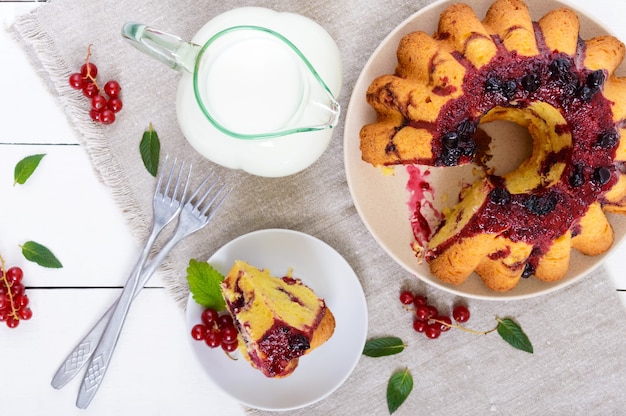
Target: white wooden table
{"x": 64, "y": 207}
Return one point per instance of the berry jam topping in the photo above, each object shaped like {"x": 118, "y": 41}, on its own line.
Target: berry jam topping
{"x": 607, "y": 139}
{"x": 601, "y": 176}
{"x": 281, "y": 344}
{"x": 578, "y": 177}
{"x": 531, "y": 82}
{"x": 500, "y": 196}
{"x": 541, "y": 205}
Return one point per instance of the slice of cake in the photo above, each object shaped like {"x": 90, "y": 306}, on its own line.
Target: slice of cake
{"x": 279, "y": 319}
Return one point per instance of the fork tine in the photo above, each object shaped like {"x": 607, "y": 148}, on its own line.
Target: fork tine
{"x": 197, "y": 191}
{"x": 175, "y": 196}
{"x": 161, "y": 174}
{"x": 219, "y": 202}
{"x": 201, "y": 199}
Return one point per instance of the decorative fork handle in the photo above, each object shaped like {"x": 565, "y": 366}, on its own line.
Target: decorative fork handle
{"x": 101, "y": 356}
{"x": 81, "y": 353}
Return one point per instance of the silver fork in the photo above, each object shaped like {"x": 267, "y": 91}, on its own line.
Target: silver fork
{"x": 194, "y": 216}
{"x": 167, "y": 204}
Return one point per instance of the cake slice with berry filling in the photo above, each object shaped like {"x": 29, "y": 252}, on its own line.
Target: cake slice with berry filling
{"x": 279, "y": 319}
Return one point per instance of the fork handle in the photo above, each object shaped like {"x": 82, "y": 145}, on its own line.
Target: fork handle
{"x": 81, "y": 353}
{"x": 109, "y": 334}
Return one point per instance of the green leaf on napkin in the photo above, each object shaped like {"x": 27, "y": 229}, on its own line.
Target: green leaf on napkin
{"x": 381, "y": 347}
{"x": 40, "y": 254}
{"x": 204, "y": 284}
{"x": 398, "y": 389}
{"x": 25, "y": 168}
{"x": 150, "y": 148}
{"x": 512, "y": 333}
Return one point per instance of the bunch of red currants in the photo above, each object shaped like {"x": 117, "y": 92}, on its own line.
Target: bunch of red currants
{"x": 216, "y": 330}
{"x": 427, "y": 318}
{"x": 105, "y": 101}
{"x": 13, "y": 299}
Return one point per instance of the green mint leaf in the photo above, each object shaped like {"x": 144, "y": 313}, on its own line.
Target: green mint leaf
{"x": 204, "y": 284}
{"x": 25, "y": 168}
{"x": 513, "y": 334}
{"x": 398, "y": 389}
{"x": 40, "y": 254}
{"x": 381, "y": 347}
{"x": 150, "y": 148}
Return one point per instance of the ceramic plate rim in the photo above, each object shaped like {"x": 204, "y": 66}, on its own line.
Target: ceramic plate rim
{"x": 356, "y": 168}
{"x": 354, "y": 332}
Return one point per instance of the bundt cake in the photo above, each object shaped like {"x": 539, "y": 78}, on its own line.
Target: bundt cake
{"x": 279, "y": 319}
{"x": 539, "y": 75}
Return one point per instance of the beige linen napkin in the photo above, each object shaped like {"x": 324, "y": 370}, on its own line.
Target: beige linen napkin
{"x": 579, "y": 364}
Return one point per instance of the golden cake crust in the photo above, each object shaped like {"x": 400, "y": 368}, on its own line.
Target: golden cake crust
{"x": 420, "y": 106}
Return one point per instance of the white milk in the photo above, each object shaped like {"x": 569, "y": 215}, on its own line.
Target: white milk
{"x": 253, "y": 83}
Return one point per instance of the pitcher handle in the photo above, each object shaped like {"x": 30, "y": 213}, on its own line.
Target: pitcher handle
{"x": 169, "y": 49}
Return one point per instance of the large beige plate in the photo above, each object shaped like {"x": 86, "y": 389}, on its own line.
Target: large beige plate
{"x": 382, "y": 200}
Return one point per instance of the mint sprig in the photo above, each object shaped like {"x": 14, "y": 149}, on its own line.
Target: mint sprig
{"x": 204, "y": 285}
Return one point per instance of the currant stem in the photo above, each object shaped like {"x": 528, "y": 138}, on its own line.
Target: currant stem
{"x": 89, "y": 76}
{"x": 462, "y": 328}
{"x": 6, "y": 284}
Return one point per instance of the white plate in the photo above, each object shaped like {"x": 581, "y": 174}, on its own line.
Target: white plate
{"x": 318, "y": 374}
{"x": 383, "y": 201}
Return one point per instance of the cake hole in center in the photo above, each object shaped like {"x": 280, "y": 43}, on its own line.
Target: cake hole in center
{"x": 510, "y": 146}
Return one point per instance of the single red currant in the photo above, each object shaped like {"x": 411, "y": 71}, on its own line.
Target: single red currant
{"x": 209, "y": 317}
{"x": 229, "y": 334}
{"x": 98, "y": 102}
{"x": 25, "y": 313}
{"x": 225, "y": 321}
{"x": 198, "y": 332}
{"x": 447, "y": 323}
{"x": 213, "y": 339}
{"x": 420, "y": 300}
{"x": 12, "y": 322}
{"x": 90, "y": 90}
{"x": 460, "y": 313}
{"x": 89, "y": 70}
{"x": 419, "y": 326}
{"x": 229, "y": 346}
{"x": 14, "y": 274}
{"x": 433, "y": 311}
{"x": 95, "y": 114}
{"x": 107, "y": 116}
{"x": 433, "y": 330}
{"x": 77, "y": 81}
{"x": 406, "y": 297}
{"x": 112, "y": 88}
{"x": 422, "y": 313}
{"x": 114, "y": 104}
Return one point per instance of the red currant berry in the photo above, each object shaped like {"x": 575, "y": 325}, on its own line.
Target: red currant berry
{"x": 433, "y": 311}
{"x": 95, "y": 114}
{"x": 112, "y": 88}
{"x": 225, "y": 321}
{"x": 229, "y": 346}
{"x": 4, "y": 301}
{"x": 107, "y": 116}
{"x": 422, "y": 313}
{"x": 419, "y": 326}
{"x": 445, "y": 326}
{"x": 77, "y": 81}
{"x": 16, "y": 289}
{"x": 90, "y": 90}
{"x": 213, "y": 339}
{"x": 209, "y": 317}
{"x": 114, "y": 104}
{"x": 98, "y": 102}
{"x": 433, "y": 330}
{"x": 4, "y": 314}
{"x": 460, "y": 313}
{"x": 406, "y": 297}
{"x": 21, "y": 301}
{"x": 198, "y": 332}
{"x": 89, "y": 69}
{"x": 25, "y": 313}
{"x": 229, "y": 334}
{"x": 12, "y": 322}
{"x": 420, "y": 300}
{"x": 14, "y": 274}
